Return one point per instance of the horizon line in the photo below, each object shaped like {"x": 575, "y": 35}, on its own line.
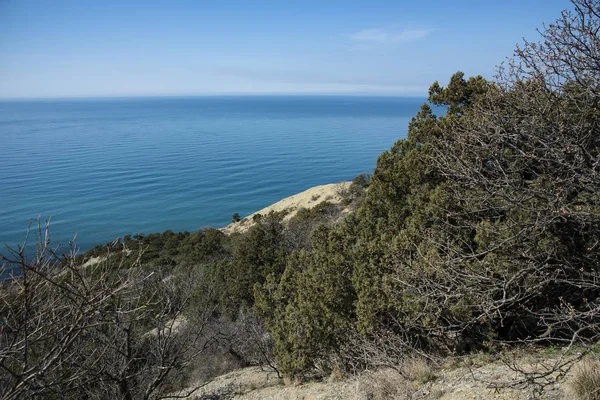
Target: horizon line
{"x": 156, "y": 96}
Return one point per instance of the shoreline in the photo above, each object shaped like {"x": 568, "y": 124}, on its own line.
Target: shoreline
{"x": 307, "y": 199}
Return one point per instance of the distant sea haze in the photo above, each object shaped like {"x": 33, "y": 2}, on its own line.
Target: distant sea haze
{"x": 105, "y": 168}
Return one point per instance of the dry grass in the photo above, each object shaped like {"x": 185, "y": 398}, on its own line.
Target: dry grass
{"x": 418, "y": 369}
{"x": 386, "y": 384}
{"x": 586, "y": 380}
{"x": 402, "y": 383}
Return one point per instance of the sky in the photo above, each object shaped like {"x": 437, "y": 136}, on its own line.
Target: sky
{"x": 106, "y": 48}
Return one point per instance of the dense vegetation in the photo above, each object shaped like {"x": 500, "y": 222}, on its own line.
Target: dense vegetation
{"x": 480, "y": 229}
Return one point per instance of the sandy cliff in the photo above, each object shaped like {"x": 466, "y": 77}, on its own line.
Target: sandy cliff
{"x": 307, "y": 199}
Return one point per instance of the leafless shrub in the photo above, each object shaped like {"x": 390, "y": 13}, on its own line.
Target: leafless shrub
{"x": 342, "y": 190}
{"x": 251, "y": 341}
{"x": 238, "y": 343}
{"x": 522, "y": 171}
{"x": 567, "y": 53}
{"x": 381, "y": 349}
{"x": 95, "y": 331}
{"x": 298, "y": 231}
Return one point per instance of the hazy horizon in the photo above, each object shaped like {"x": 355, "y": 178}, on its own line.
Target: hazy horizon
{"x": 208, "y": 95}
{"x": 71, "y": 49}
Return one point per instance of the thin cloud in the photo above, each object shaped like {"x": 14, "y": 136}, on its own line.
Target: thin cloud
{"x": 411, "y": 34}
{"x": 370, "y": 35}
{"x": 382, "y": 36}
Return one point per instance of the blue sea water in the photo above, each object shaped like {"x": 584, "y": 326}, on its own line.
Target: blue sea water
{"x": 104, "y": 168}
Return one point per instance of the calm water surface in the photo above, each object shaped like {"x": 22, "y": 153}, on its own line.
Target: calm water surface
{"x": 104, "y": 168}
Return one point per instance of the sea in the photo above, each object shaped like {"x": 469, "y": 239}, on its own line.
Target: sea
{"x": 100, "y": 169}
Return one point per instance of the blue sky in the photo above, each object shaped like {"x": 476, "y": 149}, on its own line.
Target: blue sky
{"x": 81, "y": 48}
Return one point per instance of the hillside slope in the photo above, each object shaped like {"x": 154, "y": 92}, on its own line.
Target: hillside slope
{"x": 332, "y": 193}
{"x": 479, "y": 376}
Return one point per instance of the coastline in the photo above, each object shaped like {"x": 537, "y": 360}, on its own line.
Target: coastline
{"x": 307, "y": 199}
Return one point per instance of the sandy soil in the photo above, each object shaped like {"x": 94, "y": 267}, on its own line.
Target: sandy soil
{"x": 93, "y": 261}
{"x": 474, "y": 378}
{"x": 307, "y": 199}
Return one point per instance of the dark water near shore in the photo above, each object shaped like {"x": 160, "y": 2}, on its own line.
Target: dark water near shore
{"x": 104, "y": 168}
